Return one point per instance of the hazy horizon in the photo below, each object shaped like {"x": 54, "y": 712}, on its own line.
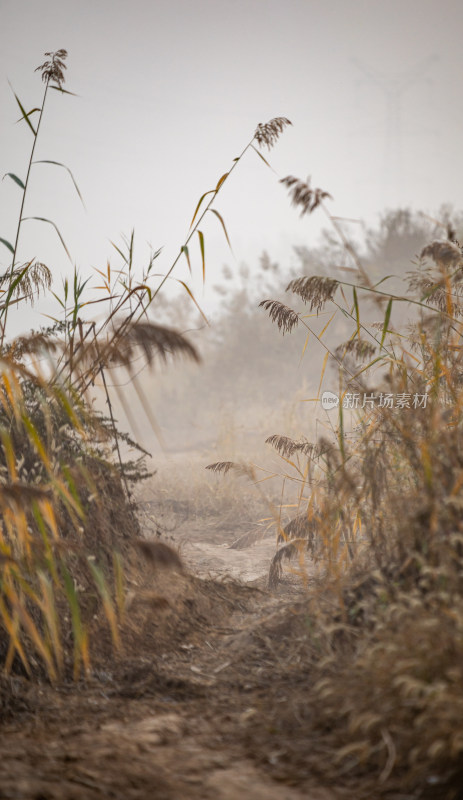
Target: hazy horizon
{"x": 170, "y": 92}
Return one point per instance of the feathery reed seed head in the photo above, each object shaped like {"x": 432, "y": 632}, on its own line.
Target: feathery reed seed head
{"x": 287, "y": 446}
{"x": 442, "y": 252}
{"x": 303, "y": 195}
{"x": 225, "y": 466}
{"x": 52, "y": 70}
{"x": 315, "y": 290}
{"x": 269, "y": 132}
{"x": 285, "y": 317}
{"x": 360, "y": 348}
{"x": 31, "y": 279}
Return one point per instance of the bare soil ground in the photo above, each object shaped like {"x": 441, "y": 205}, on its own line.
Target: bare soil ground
{"x": 177, "y": 714}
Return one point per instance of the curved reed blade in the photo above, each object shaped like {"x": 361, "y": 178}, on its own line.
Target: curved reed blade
{"x": 203, "y": 258}
{"x": 7, "y": 244}
{"x": 14, "y": 178}
{"x": 59, "y": 164}
{"x": 50, "y": 222}
{"x": 24, "y": 114}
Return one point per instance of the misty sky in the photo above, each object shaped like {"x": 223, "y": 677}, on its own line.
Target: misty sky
{"x": 171, "y": 91}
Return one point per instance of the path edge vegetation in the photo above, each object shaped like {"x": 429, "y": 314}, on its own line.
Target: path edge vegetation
{"x": 381, "y": 658}
{"x": 63, "y": 535}
{"x": 378, "y": 499}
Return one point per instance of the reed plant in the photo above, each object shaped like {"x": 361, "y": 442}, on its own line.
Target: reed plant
{"x": 379, "y": 496}
{"x": 378, "y": 499}
{"x": 66, "y": 512}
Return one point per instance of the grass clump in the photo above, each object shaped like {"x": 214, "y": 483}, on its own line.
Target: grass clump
{"x": 66, "y": 511}
{"x": 380, "y": 499}
{"x": 65, "y": 500}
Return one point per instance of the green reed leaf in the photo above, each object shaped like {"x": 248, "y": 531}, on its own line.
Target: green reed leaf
{"x": 108, "y": 604}
{"x": 59, "y": 164}
{"x": 219, "y": 216}
{"x": 50, "y": 222}
{"x": 203, "y": 258}
{"x": 221, "y": 181}
{"x": 63, "y": 91}
{"x": 25, "y": 114}
{"x": 78, "y": 631}
{"x": 33, "y": 111}
{"x": 7, "y": 244}
{"x": 262, "y": 157}
{"x": 387, "y": 317}
{"x": 211, "y": 191}
{"x": 357, "y": 311}
{"x": 184, "y": 249}
{"x": 193, "y": 298}
{"x": 14, "y": 178}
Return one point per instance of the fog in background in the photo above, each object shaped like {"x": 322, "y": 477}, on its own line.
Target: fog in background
{"x": 170, "y": 91}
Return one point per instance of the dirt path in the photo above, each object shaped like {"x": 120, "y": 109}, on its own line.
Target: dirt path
{"x": 173, "y": 716}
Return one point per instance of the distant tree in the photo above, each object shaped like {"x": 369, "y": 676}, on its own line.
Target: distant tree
{"x": 402, "y": 234}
